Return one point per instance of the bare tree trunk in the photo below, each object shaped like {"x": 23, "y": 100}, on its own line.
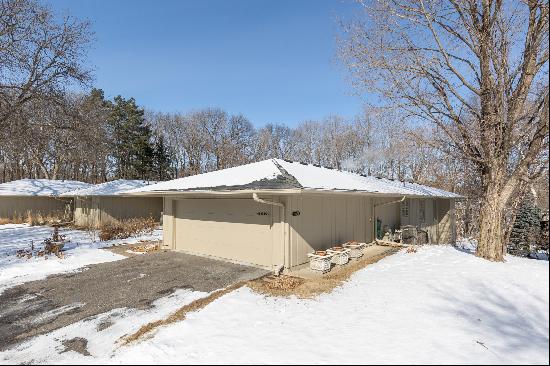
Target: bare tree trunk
{"x": 491, "y": 234}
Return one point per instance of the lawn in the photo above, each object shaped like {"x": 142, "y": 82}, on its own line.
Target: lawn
{"x": 437, "y": 305}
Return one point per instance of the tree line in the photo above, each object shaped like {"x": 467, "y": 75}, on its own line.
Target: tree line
{"x": 464, "y": 107}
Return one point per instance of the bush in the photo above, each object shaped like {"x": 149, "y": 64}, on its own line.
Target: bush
{"x": 123, "y": 229}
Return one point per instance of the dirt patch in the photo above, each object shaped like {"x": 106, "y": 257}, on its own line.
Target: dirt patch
{"x": 77, "y": 344}
{"x": 315, "y": 285}
{"x": 142, "y": 247}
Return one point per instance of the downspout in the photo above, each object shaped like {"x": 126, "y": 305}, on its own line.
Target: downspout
{"x": 374, "y": 213}
{"x": 280, "y": 268}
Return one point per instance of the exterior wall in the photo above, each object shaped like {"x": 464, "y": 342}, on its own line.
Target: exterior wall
{"x": 325, "y": 221}
{"x": 19, "y": 206}
{"x": 438, "y": 221}
{"x": 98, "y": 210}
{"x": 388, "y": 212}
{"x": 218, "y": 226}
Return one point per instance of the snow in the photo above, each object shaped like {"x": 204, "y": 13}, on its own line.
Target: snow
{"x": 308, "y": 176}
{"x": 438, "y": 305}
{"x": 314, "y": 177}
{"x": 40, "y": 187}
{"x": 467, "y": 244}
{"x": 82, "y": 249}
{"x": 240, "y": 175}
{"x": 109, "y": 188}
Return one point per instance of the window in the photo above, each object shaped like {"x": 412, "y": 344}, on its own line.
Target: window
{"x": 405, "y": 208}
{"x": 422, "y": 211}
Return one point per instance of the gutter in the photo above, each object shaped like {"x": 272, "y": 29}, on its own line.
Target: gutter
{"x": 280, "y": 268}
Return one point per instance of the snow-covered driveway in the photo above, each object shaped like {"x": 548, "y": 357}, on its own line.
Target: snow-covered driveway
{"x": 439, "y": 305}
{"x": 82, "y": 250}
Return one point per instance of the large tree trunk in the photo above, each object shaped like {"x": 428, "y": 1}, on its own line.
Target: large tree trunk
{"x": 491, "y": 234}
{"x": 497, "y": 190}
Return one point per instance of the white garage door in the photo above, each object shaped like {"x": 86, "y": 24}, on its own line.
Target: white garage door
{"x": 235, "y": 229}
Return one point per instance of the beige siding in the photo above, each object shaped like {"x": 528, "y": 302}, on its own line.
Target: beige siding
{"x": 98, "y": 210}
{"x": 326, "y": 221}
{"x": 19, "y": 206}
{"x": 437, "y": 218}
{"x": 230, "y": 228}
{"x": 388, "y": 211}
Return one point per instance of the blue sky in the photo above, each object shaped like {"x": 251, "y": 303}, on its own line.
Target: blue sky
{"x": 273, "y": 61}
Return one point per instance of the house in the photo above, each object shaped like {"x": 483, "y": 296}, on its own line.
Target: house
{"x": 100, "y": 204}
{"x": 37, "y": 196}
{"x": 274, "y": 212}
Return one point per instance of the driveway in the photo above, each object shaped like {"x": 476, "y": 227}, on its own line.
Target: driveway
{"x": 136, "y": 282}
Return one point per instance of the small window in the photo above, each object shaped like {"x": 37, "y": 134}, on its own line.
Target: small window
{"x": 422, "y": 211}
{"x": 405, "y": 208}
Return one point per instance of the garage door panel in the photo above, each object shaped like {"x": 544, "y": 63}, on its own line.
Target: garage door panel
{"x": 234, "y": 229}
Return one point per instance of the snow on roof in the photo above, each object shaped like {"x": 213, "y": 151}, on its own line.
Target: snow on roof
{"x": 40, "y": 187}
{"x": 284, "y": 174}
{"x": 237, "y": 176}
{"x": 111, "y": 188}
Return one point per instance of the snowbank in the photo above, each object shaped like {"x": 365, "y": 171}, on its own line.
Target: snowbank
{"x": 439, "y": 305}
{"x": 81, "y": 250}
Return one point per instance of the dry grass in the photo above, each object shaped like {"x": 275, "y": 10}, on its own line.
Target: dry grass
{"x": 123, "y": 229}
{"x": 181, "y": 313}
{"x": 36, "y": 218}
{"x": 145, "y": 246}
{"x": 310, "y": 287}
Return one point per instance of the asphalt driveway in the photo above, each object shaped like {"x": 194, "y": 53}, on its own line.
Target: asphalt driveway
{"x": 136, "y": 282}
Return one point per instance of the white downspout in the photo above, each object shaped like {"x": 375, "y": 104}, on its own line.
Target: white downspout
{"x": 280, "y": 268}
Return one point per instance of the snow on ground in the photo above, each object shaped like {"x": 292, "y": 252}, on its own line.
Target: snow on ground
{"x": 103, "y": 332}
{"x": 81, "y": 250}
{"x": 439, "y": 305}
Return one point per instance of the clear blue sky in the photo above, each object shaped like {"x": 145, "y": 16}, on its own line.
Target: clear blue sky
{"x": 273, "y": 61}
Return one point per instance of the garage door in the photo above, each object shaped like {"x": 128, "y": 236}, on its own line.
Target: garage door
{"x": 235, "y": 229}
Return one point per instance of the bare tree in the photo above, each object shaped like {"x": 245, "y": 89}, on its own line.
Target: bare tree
{"x": 39, "y": 56}
{"x": 478, "y": 70}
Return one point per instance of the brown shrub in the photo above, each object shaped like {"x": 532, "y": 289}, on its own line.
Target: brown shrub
{"x": 5, "y": 221}
{"x": 123, "y": 229}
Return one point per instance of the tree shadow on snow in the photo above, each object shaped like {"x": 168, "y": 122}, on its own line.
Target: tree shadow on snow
{"x": 501, "y": 324}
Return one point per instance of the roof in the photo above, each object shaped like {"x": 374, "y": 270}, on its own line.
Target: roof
{"x": 40, "y": 187}
{"x": 277, "y": 174}
{"x": 111, "y": 188}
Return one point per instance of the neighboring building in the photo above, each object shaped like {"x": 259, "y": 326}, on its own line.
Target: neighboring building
{"x": 102, "y": 203}
{"x": 37, "y": 196}
{"x": 273, "y": 212}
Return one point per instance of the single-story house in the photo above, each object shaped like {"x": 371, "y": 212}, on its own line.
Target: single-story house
{"x": 274, "y": 212}
{"x": 102, "y": 203}
{"x": 37, "y": 196}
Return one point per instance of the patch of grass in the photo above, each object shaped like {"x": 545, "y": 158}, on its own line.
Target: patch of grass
{"x": 306, "y": 288}
{"x": 181, "y": 313}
